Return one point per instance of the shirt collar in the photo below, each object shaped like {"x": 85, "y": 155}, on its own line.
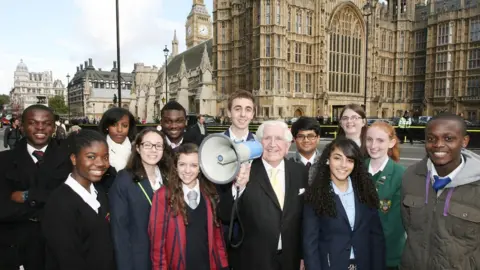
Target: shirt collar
{"x": 235, "y": 139}
{"x": 158, "y": 180}
{"x": 453, "y": 173}
{"x": 31, "y": 149}
{"x": 88, "y": 197}
{"x": 382, "y": 167}
{"x": 348, "y": 191}
{"x": 196, "y": 188}
{"x": 311, "y": 160}
{"x": 268, "y": 167}
{"x": 173, "y": 145}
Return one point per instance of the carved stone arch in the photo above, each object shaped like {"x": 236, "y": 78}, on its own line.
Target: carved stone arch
{"x": 348, "y": 7}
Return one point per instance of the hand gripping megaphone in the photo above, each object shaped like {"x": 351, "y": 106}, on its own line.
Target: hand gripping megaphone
{"x": 220, "y": 158}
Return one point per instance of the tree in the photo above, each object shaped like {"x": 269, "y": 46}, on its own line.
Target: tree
{"x": 4, "y": 100}
{"x": 57, "y": 104}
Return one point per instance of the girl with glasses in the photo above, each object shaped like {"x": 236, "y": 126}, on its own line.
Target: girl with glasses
{"x": 353, "y": 125}
{"x": 131, "y": 199}
{"x": 184, "y": 230}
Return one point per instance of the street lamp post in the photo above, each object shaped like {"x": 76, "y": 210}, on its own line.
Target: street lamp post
{"x": 367, "y": 11}
{"x": 118, "y": 57}
{"x": 94, "y": 112}
{"x": 68, "y": 96}
{"x": 165, "y": 52}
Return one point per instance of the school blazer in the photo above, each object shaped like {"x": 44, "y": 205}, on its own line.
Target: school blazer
{"x": 168, "y": 236}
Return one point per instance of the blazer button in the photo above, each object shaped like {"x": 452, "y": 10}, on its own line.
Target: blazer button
{"x": 33, "y": 203}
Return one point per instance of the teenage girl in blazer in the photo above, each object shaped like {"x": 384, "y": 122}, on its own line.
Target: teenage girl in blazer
{"x": 184, "y": 231}
{"x": 382, "y": 146}
{"x": 76, "y": 218}
{"x": 341, "y": 226}
{"x": 131, "y": 198}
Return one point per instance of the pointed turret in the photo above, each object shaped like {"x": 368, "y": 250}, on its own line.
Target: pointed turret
{"x": 205, "y": 63}
{"x": 174, "y": 44}
{"x": 183, "y": 69}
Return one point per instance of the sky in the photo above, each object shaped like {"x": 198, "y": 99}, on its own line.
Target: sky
{"x": 59, "y": 35}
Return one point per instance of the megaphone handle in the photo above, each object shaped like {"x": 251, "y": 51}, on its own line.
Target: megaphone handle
{"x": 232, "y": 222}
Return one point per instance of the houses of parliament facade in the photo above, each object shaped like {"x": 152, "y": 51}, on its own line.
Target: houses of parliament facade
{"x": 309, "y": 57}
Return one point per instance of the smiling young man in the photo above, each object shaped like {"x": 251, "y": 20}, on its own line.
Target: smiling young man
{"x": 173, "y": 123}
{"x": 306, "y": 132}
{"x": 440, "y": 205}
{"x": 30, "y": 172}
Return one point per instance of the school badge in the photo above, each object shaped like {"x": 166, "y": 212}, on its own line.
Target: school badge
{"x": 385, "y": 205}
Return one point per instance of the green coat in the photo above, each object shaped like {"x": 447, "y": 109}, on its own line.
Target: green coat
{"x": 388, "y": 183}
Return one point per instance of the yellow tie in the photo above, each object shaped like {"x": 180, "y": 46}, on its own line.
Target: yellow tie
{"x": 277, "y": 187}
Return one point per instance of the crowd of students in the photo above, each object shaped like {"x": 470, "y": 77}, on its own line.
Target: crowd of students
{"x": 118, "y": 199}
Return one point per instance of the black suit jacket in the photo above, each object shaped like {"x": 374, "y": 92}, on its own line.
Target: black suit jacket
{"x": 263, "y": 220}
{"x": 194, "y": 135}
{"x": 20, "y": 173}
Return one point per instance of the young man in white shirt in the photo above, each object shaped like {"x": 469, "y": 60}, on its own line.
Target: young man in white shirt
{"x": 306, "y": 133}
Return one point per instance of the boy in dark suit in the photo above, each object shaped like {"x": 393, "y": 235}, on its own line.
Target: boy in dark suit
{"x": 29, "y": 173}
{"x": 173, "y": 123}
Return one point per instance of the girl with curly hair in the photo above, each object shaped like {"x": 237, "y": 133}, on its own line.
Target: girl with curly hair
{"x": 184, "y": 230}
{"x": 341, "y": 225}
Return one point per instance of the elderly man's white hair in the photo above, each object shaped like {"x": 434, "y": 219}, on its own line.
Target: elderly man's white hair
{"x": 287, "y": 134}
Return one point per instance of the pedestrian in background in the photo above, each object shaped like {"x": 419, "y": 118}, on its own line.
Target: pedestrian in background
{"x": 118, "y": 125}
{"x": 404, "y": 125}
{"x": 131, "y": 199}
{"x": 383, "y": 149}
{"x": 12, "y": 134}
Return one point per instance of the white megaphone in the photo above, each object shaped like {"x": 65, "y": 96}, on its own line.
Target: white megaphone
{"x": 220, "y": 158}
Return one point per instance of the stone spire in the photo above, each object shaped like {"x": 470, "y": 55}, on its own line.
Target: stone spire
{"x": 174, "y": 43}
{"x": 183, "y": 69}
{"x": 205, "y": 63}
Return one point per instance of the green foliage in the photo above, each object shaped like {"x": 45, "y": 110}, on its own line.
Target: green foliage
{"x": 4, "y": 99}
{"x": 57, "y": 104}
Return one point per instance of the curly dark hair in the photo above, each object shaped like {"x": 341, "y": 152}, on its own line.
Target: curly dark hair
{"x": 175, "y": 194}
{"x": 135, "y": 166}
{"x": 320, "y": 194}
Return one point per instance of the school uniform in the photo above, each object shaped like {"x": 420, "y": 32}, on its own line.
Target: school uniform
{"x": 130, "y": 203}
{"x": 311, "y": 164}
{"x": 352, "y": 240}
{"x": 388, "y": 181}
{"x": 76, "y": 229}
{"x": 174, "y": 245}
{"x": 21, "y": 239}
{"x": 118, "y": 155}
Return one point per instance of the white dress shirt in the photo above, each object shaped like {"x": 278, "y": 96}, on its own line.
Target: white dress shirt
{"x": 235, "y": 139}
{"x": 30, "y": 150}
{"x": 450, "y": 175}
{"x": 186, "y": 189}
{"x": 311, "y": 160}
{"x": 281, "y": 180}
{"x": 174, "y": 145}
{"x": 158, "y": 180}
{"x": 88, "y": 197}
{"x": 381, "y": 168}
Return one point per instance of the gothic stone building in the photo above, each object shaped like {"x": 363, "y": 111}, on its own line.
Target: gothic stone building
{"x": 189, "y": 74}
{"x": 91, "y": 91}
{"x": 313, "y": 57}
{"x": 144, "y": 102}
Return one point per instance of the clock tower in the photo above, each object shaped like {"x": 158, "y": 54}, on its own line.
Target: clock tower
{"x": 198, "y": 27}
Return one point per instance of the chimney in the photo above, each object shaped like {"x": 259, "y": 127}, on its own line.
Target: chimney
{"x": 81, "y": 67}
{"x": 86, "y": 64}
{"x": 89, "y": 62}
{"x": 78, "y": 69}
{"x": 99, "y": 69}
{"x": 114, "y": 64}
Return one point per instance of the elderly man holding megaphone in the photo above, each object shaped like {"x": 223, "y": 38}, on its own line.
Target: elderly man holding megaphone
{"x": 269, "y": 204}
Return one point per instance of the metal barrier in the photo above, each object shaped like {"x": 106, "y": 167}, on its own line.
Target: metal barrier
{"x": 330, "y": 131}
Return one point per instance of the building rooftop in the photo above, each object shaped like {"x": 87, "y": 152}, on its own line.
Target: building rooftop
{"x": 192, "y": 58}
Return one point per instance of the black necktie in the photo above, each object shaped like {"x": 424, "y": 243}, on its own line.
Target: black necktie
{"x": 38, "y": 155}
{"x": 308, "y": 165}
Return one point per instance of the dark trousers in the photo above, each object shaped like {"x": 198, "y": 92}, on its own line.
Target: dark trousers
{"x": 405, "y": 132}
{"x": 29, "y": 253}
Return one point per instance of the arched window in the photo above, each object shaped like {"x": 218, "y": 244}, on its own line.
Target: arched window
{"x": 346, "y": 50}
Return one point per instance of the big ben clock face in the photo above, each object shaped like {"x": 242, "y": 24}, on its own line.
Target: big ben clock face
{"x": 203, "y": 30}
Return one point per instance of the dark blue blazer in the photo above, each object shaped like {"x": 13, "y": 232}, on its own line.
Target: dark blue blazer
{"x": 129, "y": 215}
{"x": 327, "y": 241}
